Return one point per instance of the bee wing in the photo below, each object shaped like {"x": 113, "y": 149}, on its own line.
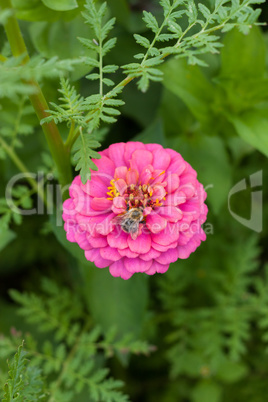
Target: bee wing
{"x": 117, "y": 220}
{"x": 135, "y": 230}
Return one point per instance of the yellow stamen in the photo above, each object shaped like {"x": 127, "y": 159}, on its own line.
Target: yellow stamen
{"x": 113, "y": 191}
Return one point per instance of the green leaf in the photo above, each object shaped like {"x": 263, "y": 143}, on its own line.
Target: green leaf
{"x": 189, "y": 84}
{"x": 60, "y": 5}
{"x": 114, "y": 302}
{"x": 84, "y": 152}
{"x": 6, "y": 237}
{"x": 35, "y": 10}
{"x": 150, "y": 21}
{"x": 204, "y": 10}
{"x": 60, "y": 39}
{"x": 207, "y": 391}
{"x": 141, "y": 40}
{"x": 243, "y": 56}
{"x": 252, "y": 127}
{"x": 14, "y": 387}
{"x": 25, "y": 382}
{"x": 154, "y": 133}
{"x": 230, "y": 372}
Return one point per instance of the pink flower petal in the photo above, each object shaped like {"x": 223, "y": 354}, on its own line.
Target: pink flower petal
{"x": 132, "y": 176}
{"x": 177, "y": 198}
{"x": 117, "y": 269}
{"x": 94, "y": 256}
{"x": 127, "y": 253}
{"x": 177, "y": 166}
{"x": 156, "y": 267}
{"x": 169, "y": 235}
{"x": 146, "y": 174}
{"x": 68, "y": 210}
{"x": 110, "y": 253}
{"x": 140, "y": 159}
{"x": 188, "y": 189}
{"x": 101, "y": 204}
{"x": 95, "y": 187}
{"x": 106, "y": 225}
{"x": 155, "y": 223}
{"x": 119, "y": 205}
{"x": 158, "y": 192}
{"x": 161, "y": 248}
{"x": 106, "y": 168}
{"x": 136, "y": 265}
{"x": 160, "y": 268}
{"x": 141, "y": 245}
{"x": 151, "y": 255}
{"x": 151, "y": 270}
{"x": 97, "y": 242}
{"x": 70, "y": 229}
{"x": 116, "y": 153}
{"x": 154, "y": 147}
{"x": 158, "y": 177}
{"x": 130, "y": 148}
{"x": 173, "y": 182}
{"x": 120, "y": 172}
{"x": 173, "y": 214}
{"x": 118, "y": 239}
{"x": 120, "y": 186}
{"x": 161, "y": 159}
{"x": 82, "y": 241}
{"x": 168, "y": 257}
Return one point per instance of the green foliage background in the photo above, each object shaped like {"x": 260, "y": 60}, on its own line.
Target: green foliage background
{"x": 70, "y": 331}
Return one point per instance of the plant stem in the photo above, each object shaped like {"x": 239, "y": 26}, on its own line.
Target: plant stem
{"x": 69, "y": 142}
{"x": 20, "y": 165}
{"x": 55, "y": 143}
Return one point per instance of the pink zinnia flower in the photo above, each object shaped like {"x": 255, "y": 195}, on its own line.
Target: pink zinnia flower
{"x": 141, "y": 210}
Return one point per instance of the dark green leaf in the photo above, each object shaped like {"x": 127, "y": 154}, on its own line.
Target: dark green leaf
{"x": 60, "y": 5}
{"x": 243, "y": 56}
{"x": 115, "y": 302}
{"x": 252, "y": 127}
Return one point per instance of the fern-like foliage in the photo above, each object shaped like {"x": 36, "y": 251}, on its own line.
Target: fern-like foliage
{"x": 74, "y": 360}
{"x": 225, "y": 323}
{"x": 20, "y": 197}
{"x": 95, "y": 17}
{"x": 191, "y": 41}
{"x": 16, "y": 120}
{"x": 84, "y": 152}
{"x": 25, "y": 382}
{"x": 169, "y": 38}
{"x": 70, "y": 110}
{"x": 16, "y": 77}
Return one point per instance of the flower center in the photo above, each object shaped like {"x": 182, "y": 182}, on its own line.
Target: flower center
{"x": 141, "y": 196}
{"x": 150, "y": 195}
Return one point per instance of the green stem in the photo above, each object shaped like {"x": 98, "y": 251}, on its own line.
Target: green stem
{"x": 20, "y": 165}
{"x": 69, "y": 141}
{"x": 55, "y": 143}
{"x": 100, "y": 67}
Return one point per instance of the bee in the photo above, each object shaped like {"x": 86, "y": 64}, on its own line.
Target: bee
{"x": 130, "y": 221}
